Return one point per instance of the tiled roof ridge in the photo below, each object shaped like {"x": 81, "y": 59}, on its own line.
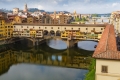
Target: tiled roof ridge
{"x": 107, "y": 38}
{"x": 109, "y": 54}
{"x": 107, "y": 47}
{"x": 101, "y": 47}
{"x": 99, "y": 54}
{"x": 111, "y": 42}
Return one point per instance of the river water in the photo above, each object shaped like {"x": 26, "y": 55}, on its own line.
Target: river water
{"x": 48, "y": 61}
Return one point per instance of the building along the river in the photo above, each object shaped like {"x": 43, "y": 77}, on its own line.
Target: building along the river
{"x": 6, "y": 30}
{"x": 2, "y": 29}
{"x": 107, "y": 56}
{"x": 7, "y": 59}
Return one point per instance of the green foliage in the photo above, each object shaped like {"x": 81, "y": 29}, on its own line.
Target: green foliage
{"x": 77, "y": 19}
{"x": 91, "y": 74}
{"x": 83, "y": 19}
{"x": 94, "y": 15}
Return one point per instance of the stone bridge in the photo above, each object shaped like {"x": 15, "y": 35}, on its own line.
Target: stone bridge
{"x": 56, "y": 30}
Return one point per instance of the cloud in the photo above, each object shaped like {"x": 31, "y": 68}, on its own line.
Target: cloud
{"x": 81, "y": 6}
{"x": 65, "y": 5}
{"x": 55, "y": 2}
{"x": 115, "y": 4}
{"x": 86, "y": 1}
{"x": 40, "y": 7}
{"x": 9, "y": 0}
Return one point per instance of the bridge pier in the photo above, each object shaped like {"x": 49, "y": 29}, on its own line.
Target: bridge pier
{"x": 70, "y": 43}
{"x": 34, "y": 42}
{"x": 37, "y": 42}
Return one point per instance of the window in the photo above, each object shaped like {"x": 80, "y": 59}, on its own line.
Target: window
{"x": 45, "y": 27}
{"x": 65, "y": 28}
{"x": 51, "y": 27}
{"x": 104, "y": 69}
{"x": 79, "y": 28}
{"x": 86, "y": 28}
{"x": 71, "y": 28}
{"x": 58, "y": 27}
{"x": 21, "y": 26}
{"x": 101, "y": 28}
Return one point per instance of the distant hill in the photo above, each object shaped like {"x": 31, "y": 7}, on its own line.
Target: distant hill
{"x": 5, "y": 10}
{"x": 34, "y": 9}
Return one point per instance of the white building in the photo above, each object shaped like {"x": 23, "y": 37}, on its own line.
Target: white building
{"x": 15, "y": 10}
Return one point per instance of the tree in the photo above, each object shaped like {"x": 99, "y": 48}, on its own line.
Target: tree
{"x": 77, "y": 19}
{"x": 94, "y": 15}
{"x": 83, "y": 19}
{"x": 91, "y": 74}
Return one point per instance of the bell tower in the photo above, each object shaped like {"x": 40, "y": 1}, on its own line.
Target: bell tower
{"x": 25, "y": 8}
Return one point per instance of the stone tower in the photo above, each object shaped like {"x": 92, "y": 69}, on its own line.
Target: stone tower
{"x": 25, "y": 8}
{"x": 15, "y": 10}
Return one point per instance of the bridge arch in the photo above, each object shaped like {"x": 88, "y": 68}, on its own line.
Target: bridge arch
{"x": 58, "y": 33}
{"x": 45, "y": 32}
{"x": 52, "y": 32}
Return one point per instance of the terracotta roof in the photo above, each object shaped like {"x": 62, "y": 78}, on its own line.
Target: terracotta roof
{"x": 11, "y": 17}
{"x": 107, "y": 47}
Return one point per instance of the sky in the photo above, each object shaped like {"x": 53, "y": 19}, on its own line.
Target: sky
{"x": 81, "y": 6}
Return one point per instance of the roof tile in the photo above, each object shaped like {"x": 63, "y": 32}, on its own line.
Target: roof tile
{"x": 107, "y": 47}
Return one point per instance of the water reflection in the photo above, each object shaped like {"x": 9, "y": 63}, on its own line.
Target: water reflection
{"x": 38, "y": 72}
{"x": 27, "y": 63}
{"x": 60, "y": 45}
{"x": 57, "y": 44}
{"x": 87, "y": 45}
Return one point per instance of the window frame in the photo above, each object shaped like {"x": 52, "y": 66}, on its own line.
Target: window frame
{"x": 104, "y": 69}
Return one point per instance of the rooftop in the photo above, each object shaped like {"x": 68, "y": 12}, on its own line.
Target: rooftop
{"x": 107, "y": 47}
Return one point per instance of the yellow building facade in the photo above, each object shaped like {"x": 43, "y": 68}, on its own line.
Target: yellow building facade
{"x": 32, "y": 33}
{"x": 17, "y": 19}
{"x": 2, "y": 29}
{"x": 7, "y": 58}
{"x": 8, "y": 30}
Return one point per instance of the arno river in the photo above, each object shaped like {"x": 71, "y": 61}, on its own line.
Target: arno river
{"x": 48, "y": 61}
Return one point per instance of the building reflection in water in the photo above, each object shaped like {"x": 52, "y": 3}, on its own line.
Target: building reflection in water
{"x": 44, "y": 55}
{"x": 7, "y": 58}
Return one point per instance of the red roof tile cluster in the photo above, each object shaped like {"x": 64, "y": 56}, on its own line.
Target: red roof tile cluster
{"x": 107, "y": 47}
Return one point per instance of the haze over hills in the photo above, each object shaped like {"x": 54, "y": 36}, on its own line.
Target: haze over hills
{"x": 33, "y": 10}
{"x": 36, "y": 9}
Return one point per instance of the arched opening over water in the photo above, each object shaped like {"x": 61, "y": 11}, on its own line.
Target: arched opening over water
{"x": 87, "y": 45}
{"x": 45, "y": 32}
{"x": 58, "y": 33}
{"x": 24, "y": 44}
{"x": 52, "y": 32}
{"x": 57, "y": 44}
